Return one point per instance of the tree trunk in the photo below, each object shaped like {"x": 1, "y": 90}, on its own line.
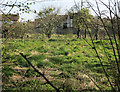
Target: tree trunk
{"x": 85, "y": 33}
{"x": 78, "y": 33}
{"x": 119, "y": 35}
{"x": 49, "y": 35}
{"x": 96, "y": 35}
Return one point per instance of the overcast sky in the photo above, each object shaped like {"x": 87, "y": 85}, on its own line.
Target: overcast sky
{"x": 40, "y": 4}
{"x": 64, "y": 5}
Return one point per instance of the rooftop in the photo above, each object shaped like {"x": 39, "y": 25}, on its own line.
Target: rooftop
{"x": 11, "y": 17}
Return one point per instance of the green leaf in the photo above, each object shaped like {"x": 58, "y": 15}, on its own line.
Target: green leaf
{"x": 3, "y": 14}
{"x": 19, "y": 5}
{"x": 40, "y": 13}
{"x": 28, "y": 7}
{"x": 50, "y": 9}
{"x": 47, "y": 11}
{"x": 88, "y": 20}
{"x": 35, "y": 11}
{"x": 9, "y": 20}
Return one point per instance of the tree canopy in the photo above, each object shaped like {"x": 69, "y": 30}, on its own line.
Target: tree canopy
{"x": 48, "y": 20}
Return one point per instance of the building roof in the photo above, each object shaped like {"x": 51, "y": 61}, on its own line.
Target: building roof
{"x": 11, "y": 17}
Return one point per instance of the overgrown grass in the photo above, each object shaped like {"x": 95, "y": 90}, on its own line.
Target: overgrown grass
{"x": 67, "y": 58}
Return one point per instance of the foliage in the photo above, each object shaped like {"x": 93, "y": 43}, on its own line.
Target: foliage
{"x": 19, "y": 29}
{"x": 108, "y": 25}
{"x": 71, "y": 61}
{"x": 22, "y": 7}
{"x": 81, "y": 19}
{"x": 48, "y": 21}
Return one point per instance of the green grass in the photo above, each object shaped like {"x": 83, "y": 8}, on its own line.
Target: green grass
{"x": 67, "y": 57}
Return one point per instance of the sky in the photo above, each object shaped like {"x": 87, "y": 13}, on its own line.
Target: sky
{"x": 64, "y": 5}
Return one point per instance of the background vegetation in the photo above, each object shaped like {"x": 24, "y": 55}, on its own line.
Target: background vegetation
{"x": 36, "y": 57}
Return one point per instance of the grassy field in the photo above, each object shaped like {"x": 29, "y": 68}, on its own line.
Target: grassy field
{"x": 69, "y": 63}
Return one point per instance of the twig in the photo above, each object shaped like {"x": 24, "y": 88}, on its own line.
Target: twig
{"x": 36, "y": 70}
{"x": 100, "y": 59}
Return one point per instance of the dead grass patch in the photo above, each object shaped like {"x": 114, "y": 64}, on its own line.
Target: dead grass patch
{"x": 34, "y": 53}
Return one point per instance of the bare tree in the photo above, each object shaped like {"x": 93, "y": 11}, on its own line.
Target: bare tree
{"x": 112, "y": 8}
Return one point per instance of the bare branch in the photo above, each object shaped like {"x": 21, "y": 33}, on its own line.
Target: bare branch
{"x": 12, "y": 7}
{"x": 36, "y": 70}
